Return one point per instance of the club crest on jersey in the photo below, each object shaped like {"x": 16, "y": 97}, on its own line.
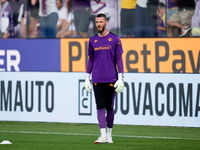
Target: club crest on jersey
{"x": 109, "y": 39}
{"x": 95, "y": 41}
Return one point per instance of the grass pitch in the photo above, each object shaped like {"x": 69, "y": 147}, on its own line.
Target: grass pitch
{"x": 65, "y": 136}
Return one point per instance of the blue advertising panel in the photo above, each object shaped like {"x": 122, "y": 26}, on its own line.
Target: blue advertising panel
{"x": 30, "y": 55}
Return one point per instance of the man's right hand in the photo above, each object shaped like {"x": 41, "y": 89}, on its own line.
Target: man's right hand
{"x": 87, "y": 85}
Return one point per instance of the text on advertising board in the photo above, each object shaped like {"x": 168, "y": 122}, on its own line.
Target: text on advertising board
{"x": 140, "y": 55}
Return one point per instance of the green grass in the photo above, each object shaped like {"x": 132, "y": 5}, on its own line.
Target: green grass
{"x": 54, "y": 136}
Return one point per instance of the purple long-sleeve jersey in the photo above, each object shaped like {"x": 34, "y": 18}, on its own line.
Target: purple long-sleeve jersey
{"x": 104, "y": 51}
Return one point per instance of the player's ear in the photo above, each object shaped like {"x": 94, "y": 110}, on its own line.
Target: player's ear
{"x": 106, "y": 22}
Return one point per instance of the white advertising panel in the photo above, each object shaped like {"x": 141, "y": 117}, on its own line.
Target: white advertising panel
{"x": 148, "y": 99}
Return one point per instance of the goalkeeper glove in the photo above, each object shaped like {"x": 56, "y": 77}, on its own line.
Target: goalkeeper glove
{"x": 87, "y": 85}
{"x": 119, "y": 85}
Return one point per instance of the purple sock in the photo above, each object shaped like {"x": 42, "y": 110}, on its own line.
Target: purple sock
{"x": 101, "y": 118}
{"x": 110, "y": 118}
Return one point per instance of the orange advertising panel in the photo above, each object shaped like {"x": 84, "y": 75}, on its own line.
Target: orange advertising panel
{"x": 161, "y": 55}
{"x": 74, "y": 55}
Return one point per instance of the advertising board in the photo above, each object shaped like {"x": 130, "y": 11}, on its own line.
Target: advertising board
{"x": 148, "y": 99}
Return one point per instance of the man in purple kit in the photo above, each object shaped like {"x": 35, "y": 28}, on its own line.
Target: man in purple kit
{"x": 105, "y": 54}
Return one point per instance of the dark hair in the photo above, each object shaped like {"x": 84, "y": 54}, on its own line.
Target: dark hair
{"x": 69, "y": 6}
{"x": 61, "y": 1}
{"x": 161, "y": 5}
{"x": 101, "y": 15}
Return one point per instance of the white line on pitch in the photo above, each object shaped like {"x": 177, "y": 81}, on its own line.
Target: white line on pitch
{"x": 82, "y": 134}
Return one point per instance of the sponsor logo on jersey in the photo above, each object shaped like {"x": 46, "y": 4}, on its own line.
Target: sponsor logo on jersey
{"x": 104, "y": 47}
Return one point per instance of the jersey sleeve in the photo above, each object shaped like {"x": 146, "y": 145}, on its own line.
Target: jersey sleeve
{"x": 90, "y": 65}
{"x": 119, "y": 49}
{"x": 90, "y": 49}
{"x": 119, "y": 62}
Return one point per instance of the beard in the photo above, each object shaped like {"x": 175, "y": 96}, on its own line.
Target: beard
{"x": 100, "y": 30}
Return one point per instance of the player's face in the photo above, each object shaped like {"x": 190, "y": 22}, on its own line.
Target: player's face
{"x": 100, "y": 24}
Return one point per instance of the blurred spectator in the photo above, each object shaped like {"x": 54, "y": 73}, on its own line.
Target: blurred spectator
{"x": 195, "y": 25}
{"x": 62, "y": 12}
{"x": 97, "y": 7}
{"x": 141, "y": 18}
{"x": 24, "y": 18}
{"x": 146, "y": 18}
{"x": 182, "y": 18}
{"x": 161, "y": 20}
{"x": 16, "y": 24}
{"x": 4, "y": 18}
{"x": 128, "y": 18}
{"x": 152, "y": 6}
{"x": 171, "y": 9}
{"x": 29, "y": 21}
{"x": 49, "y": 17}
{"x": 34, "y": 19}
{"x": 68, "y": 29}
{"x": 82, "y": 16}
{"x": 162, "y": 1}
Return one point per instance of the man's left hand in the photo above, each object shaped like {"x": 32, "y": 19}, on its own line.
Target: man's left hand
{"x": 119, "y": 85}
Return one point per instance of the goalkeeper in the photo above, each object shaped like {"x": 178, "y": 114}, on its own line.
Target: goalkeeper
{"x": 105, "y": 58}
